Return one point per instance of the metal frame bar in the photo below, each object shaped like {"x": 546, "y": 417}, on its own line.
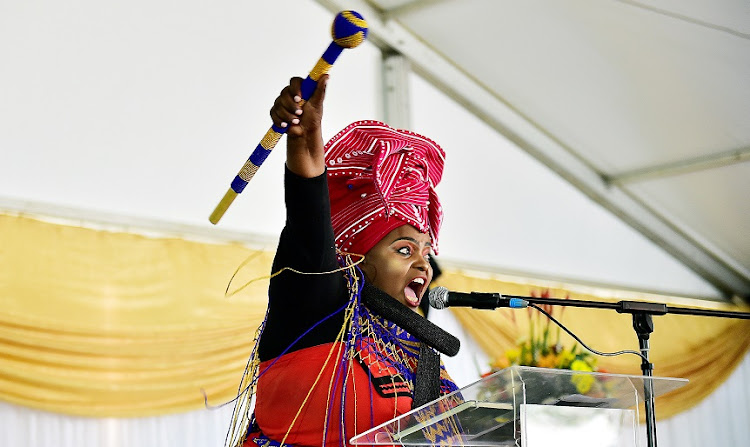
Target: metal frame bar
{"x": 409, "y": 7}
{"x": 680, "y": 167}
{"x": 396, "y": 99}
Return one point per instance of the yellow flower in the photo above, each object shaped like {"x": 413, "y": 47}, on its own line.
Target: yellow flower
{"x": 580, "y": 365}
{"x": 500, "y": 363}
{"x": 513, "y": 354}
{"x": 582, "y": 382}
{"x": 547, "y": 361}
{"x": 564, "y": 359}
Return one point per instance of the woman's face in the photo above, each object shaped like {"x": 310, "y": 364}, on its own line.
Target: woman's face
{"x": 400, "y": 265}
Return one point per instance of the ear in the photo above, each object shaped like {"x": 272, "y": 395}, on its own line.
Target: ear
{"x": 369, "y": 270}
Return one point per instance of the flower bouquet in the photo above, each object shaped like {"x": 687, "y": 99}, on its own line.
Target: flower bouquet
{"x": 542, "y": 347}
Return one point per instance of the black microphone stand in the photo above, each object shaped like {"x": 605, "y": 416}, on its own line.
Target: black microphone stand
{"x": 643, "y": 325}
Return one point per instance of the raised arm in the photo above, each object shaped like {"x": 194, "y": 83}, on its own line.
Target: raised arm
{"x": 304, "y": 147}
{"x": 299, "y": 301}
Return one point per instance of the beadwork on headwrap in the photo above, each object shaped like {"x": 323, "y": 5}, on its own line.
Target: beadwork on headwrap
{"x": 379, "y": 179}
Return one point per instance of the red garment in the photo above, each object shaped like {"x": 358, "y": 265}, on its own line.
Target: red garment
{"x": 284, "y": 387}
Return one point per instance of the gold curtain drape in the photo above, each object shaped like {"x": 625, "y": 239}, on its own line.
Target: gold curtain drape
{"x": 110, "y": 324}
{"x": 96, "y": 323}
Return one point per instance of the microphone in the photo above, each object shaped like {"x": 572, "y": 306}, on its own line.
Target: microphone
{"x": 440, "y": 298}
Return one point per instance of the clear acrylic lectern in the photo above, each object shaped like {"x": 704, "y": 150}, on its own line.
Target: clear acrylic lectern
{"x": 528, "y": 407}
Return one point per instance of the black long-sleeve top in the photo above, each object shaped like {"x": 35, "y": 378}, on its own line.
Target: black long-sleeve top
{"x": 297, "y": 302}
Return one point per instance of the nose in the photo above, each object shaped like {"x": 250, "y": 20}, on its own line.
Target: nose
{"x": 421, "y": 263}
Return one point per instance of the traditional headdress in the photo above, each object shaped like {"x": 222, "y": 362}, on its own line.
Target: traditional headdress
{"x": 380, "y": 178}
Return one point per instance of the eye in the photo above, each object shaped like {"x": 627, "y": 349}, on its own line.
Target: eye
{"x": 405, "y": 250}
{"x": 427, "y": 257}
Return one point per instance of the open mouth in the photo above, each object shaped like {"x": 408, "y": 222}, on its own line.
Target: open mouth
{"x": 413, "y": 291}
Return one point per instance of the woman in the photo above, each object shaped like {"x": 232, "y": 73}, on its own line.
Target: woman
{"x": 342, "y": 349}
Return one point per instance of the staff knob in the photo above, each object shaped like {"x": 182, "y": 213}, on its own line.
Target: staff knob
{"x": 349, "y": 29}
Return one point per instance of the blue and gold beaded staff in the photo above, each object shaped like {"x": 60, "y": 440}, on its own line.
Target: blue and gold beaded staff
{"x": 348, "y": 30}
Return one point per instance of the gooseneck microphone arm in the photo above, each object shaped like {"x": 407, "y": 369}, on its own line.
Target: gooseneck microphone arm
{"x": 643, "y": 325}
{"x": 633, "y": 307}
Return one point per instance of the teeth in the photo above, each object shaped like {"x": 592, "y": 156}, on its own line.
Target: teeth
{"x": 419, "y": 281}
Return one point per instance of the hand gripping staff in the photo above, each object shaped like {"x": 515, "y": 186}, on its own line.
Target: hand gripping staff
{"x": 348, "y": 30}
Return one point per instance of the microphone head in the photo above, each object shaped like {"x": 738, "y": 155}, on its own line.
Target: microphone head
{"x": 439, "y": 297}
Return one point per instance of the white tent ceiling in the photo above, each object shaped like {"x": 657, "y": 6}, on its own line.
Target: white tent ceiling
{"x": 643, "y": 106}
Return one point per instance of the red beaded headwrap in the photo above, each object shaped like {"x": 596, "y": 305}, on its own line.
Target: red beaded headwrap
{"x": 380, "y": 178}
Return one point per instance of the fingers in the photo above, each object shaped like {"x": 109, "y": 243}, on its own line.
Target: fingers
{"x": 286, "y": 109}
{"x": 319, "y": 95}
{"x": 310, "y": 120}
